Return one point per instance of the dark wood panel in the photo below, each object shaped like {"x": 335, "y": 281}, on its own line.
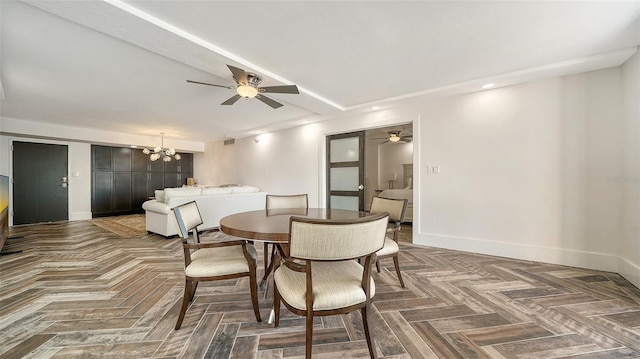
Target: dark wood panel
{"x": 139, "y": 161}
{"x": 122, "y": 192}
{"x": 101, "y": 158}
{"x": 121, "y": 159}
{"x": 186, "y": 163}
{"x": 102, "y": 189}
{"x": 133, "y": 178}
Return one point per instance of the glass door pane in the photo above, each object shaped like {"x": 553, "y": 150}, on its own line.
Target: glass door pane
{"x": 345, "y": 171}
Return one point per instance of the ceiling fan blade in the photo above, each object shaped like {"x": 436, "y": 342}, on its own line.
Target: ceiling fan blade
{"x": 280, "y": 89}
{"x": 239, "y": 75}
{"x": 274, "y": 104}
{"x": 232, "y": 100}
{"x": 204, "y": 83}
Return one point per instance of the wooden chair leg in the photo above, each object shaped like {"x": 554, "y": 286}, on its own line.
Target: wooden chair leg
{"x": 378, "y": 265}
{"x": 309, "y": 339}
{"x": 253, "y": 283}
{"x": 185, "y": 303}
{"x": 265, "y": 255}
{"x": 397, "y": 265}
{"x": 194, "y": 286}
{"x": 276, "y": 305}
{"x": 370, "y": 342}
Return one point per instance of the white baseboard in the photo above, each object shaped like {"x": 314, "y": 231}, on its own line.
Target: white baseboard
{"x": 573, "y": 258}
{"x": 80, "y": 216}
{"x": 629, "y": 270}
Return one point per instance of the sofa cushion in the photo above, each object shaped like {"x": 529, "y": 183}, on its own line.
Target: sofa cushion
{"x": 244, "y": 189}
{"x": 215, "y": 190}
{"x": 159, "y": 193}
{"x": 181, "y": 192}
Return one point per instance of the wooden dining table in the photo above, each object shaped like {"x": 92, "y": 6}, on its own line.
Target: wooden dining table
{"x": 272, "y": 226}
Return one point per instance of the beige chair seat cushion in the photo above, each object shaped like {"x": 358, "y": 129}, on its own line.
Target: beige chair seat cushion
{"x": 210, "y": 262}
{"x": 335, "y": 285}
{"x": 390, "y": 247}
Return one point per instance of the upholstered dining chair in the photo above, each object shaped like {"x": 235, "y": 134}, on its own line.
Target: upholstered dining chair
{"x": 212, "y": 261}
{"x": 319, "y": 275}
{"x": 279, "y": 202}
{"x": 396, "y": 209}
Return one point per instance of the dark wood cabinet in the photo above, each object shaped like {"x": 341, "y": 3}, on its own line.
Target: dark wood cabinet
{"x": 144, "y": 186}
{"x": 111, "y": 180}
{"x": 101, "y": 193}
{"x": 124, "y": 178}
{"x": 122, "y": 192}
{"x": 177, "y": 172}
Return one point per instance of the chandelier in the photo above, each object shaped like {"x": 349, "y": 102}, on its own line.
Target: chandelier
{"x": 161, "y": 152}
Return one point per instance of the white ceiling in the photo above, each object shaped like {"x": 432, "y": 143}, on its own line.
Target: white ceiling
{"x": 122, "y": 66}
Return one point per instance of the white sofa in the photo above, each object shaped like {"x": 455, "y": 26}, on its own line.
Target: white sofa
{"x": 213, "y": 202}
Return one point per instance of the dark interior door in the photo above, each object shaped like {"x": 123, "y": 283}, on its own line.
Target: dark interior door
{"x": 345, "y": 171}
{"x": 40, "y": 192}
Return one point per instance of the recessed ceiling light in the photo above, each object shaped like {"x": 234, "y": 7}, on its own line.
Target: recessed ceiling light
{"x": 488, "y": 86}
{"x": 375, "y": 107}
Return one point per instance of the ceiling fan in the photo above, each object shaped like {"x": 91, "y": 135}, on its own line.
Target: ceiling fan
{"x": 247, "y": 86}
{"x": 395, "y": 137}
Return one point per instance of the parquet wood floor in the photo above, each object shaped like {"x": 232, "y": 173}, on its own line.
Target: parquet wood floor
{"x": 78, "y": 291}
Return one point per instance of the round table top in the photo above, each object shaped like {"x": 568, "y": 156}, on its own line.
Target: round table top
{"x": 273, "y": 225}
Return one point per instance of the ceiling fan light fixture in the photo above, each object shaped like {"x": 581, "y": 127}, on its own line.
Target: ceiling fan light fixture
{"x": 394, "y": 137}
{"x": 247, "y": 91}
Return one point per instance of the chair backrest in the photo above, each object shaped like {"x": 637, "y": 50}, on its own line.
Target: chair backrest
{"x": 336, "y": 239}
{"x": 395, "y": 207}
{"x": 188, "y": 218}
{"x": 287, "y": 201}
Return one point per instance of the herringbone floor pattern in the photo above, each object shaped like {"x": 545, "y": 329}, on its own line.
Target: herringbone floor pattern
{"x": 78, "y": 291}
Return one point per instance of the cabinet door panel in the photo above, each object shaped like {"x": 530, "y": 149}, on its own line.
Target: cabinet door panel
{"x": 102, "y": 192}
{"x": 139, "y": 190}
{"x": 156, "y": 166}
{"x": 101, "y": 158}
{"x": 175, "y": 179}
{"x": 186, "y": 163}
{"x": 121, "y": 159}
{"x": 139, "y": 161}
{"x": 122, "y": 191}
{"x": 156, "y": 181}
{"x": 171, "y": 166}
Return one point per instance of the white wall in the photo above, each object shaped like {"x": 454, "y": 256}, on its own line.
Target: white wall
{"x": 629, "y": 265}
{"x": 525, "y": 170}
{"x": 292, "y": 160}
{"x": 391, "y": 159}
{"x": 216, "y": 165}
{"x": 371, "y": 177}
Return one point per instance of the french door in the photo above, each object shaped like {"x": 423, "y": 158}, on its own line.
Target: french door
{"x": 345, "y": 171}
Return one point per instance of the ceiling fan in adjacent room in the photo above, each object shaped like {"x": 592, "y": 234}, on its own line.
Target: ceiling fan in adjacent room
{"x": 396, "y": 137}
{"x": 247, "y": 86}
